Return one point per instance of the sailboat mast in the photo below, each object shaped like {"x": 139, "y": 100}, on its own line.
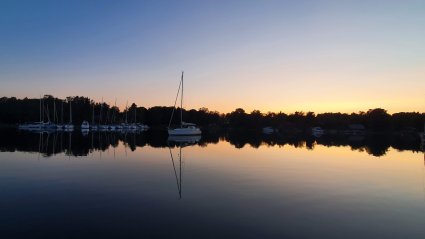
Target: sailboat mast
{"x": 100, "y": 113}
{"x": 175, "y": 103}
{"x": 135, "y": 114}
{"x": 70, "y": 112}
{"x": 62, "y": 113}
{"x": 54, "y": 111}
{"x": 126, "y": 112}
{"x": 40, "y": 108}
{"x": 181, "y": 105}
{"x": 113, "y": 112}
{"x": 92, "y": 116}
{"x": 48, "y": 112}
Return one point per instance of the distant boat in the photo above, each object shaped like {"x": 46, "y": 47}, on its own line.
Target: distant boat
{"x": 317, "y": 131}
{"x": 185, "y": 128}
{"x": 85, "y": 125}
{"x": 268, "y": 130}
{"x": 38, "y": 126}
{"x": 142, "y": 127}
{"x": 112, "y": 127}
{"x": 136, "y": 126}
{"x": 103, "y": 127}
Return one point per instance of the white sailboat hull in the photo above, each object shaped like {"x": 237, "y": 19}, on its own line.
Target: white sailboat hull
{"x": 85, "y": 125}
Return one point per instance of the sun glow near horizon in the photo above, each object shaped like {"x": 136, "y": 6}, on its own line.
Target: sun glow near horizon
{"x": 284, "y": 56}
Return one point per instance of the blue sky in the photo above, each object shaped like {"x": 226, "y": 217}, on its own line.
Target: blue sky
{"x": 267, "y": 55}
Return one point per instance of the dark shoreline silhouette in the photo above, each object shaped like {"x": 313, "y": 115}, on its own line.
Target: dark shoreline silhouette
{"x": 14, "y": 111}
{"x": 77, "y": 144}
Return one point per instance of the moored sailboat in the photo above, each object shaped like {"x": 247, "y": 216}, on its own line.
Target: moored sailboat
{"x": 185, "y": 128}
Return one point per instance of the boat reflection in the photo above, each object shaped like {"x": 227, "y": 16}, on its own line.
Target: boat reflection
{"x": 184, "y": 139}
{"x": 179, "y": 176}
{"x": 180, "y": 141}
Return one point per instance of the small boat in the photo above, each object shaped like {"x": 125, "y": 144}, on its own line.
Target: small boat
{"x": 40, "y": 125}
{"x": 112, "y": 127}
{"x": 103, "y": 127}
{"x": 142, "y": 127}
{"x": 317, "y": 131}
{"x": 32, "y": 126}
{"x": 268, "y": 130}
{"x": 85, "y": 125}
{"x": 185, "y": 128}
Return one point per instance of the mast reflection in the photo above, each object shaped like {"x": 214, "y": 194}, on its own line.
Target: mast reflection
{"x": 180, "y": 142}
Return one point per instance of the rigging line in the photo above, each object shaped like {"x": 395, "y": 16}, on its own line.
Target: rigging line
{"x": 175, "y": 102}
{"x": 181, "y": 104}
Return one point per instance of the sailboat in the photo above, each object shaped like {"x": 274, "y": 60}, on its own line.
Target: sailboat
{"x": 60, "y": 127}
{"x": 69, "y": 126}
{"x": 35, "y": 125}
{"x": 93, "y": 126}
{"x": 41, "y": 125}
{"x": 102, "y": 127}
{"x": 185, "y": 129}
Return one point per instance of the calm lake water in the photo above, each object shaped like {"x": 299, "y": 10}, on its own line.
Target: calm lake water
{"x": 224, "y": 186}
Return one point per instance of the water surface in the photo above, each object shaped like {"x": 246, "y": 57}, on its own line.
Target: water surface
{"x": 138, "y": 186}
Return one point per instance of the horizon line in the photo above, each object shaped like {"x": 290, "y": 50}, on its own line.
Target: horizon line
{"x": 122, "y": 109}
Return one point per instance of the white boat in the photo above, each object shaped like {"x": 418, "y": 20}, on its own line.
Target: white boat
{"x": 268, "y": 130}
{"x": 317, "y": 131}
{"x": 112, "y": 127}
{"x": 185, "y": 128}
{"x": 142, "y": 127}
{"x": 68, "y": 127}
{"x": 132, "y": 127}
{"x": 32, "y": 126}
{"x": 49, "y": 125}
{"x": 103, "y": 127}
{"x": 85, "y": 125}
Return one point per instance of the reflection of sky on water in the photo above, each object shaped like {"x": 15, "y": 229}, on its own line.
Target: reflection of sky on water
{"x": 245, "y": 193}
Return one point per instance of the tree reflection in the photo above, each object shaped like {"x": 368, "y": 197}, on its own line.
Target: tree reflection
{"x": 78, "y": 144}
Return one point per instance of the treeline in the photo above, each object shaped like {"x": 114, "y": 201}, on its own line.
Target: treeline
{"x": 374, "y": 119}
{"x": 13, "y": 111}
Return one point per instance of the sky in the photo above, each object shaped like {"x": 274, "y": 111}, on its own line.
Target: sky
{"x": 320, "y": 56}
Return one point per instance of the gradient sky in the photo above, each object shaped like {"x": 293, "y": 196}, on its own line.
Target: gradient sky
{"x": 285, "y": 56}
